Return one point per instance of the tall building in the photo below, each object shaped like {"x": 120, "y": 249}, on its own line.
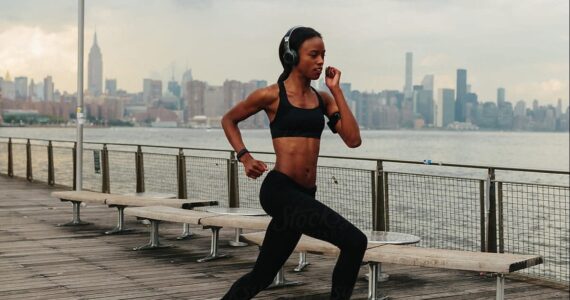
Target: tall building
{"x": 174, "y": 88}
{"x": 447, "y": 106}
{"x": 501, "y": 96}
{"x": 559, "y": 108}
{"x": 408, "y": 88}
{"x": 21, "y": 86}
{"x": 7, "y": 87}
{"x": 186, "y": 77}
{"x": 32, "y": 91}
{"x": 152, "y": 90}
{"x": 111, "y": 87}
{"x": 95, "y": 70}
{"x": 233, "y": 93}
{"x": 461, "y": 91}
{"x": 48, "y": 89}
{"x": 195, "y": 91}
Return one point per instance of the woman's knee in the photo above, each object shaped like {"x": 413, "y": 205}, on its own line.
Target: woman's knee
{"x": 355, "y": 241}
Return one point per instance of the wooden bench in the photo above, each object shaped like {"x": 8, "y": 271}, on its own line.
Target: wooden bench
{"x": 499, "y": 263}
{"x": 213, "y": 221}
{"x": 157, "y": 214}
{"x": 120, "y": 202}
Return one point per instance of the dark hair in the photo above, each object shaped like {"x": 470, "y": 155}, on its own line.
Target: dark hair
{"x": 300, "y": 34}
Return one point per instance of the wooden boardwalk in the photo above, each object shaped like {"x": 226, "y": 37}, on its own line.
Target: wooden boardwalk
{"x": 41, "y": 261}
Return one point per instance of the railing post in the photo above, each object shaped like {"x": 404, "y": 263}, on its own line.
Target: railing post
{"x": 29, "y": 175}
{"x": 51, "y": 171}
{"x": 501, "y": 229}
{"x": 233, "y": 191}
{"x": 74, "y": 166}
{"x": 10, "y": 159}
{"x": 181, "y": 168}
{"x": 483, "y": 217}
{"x": 106, "y": 182}
{"x": 492, "y": 222}
{"x": 386, "y": 201}
{"x": 378, "y": 204}
{"x": 139, "y": 169}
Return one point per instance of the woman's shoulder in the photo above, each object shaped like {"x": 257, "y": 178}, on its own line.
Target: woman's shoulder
{"x": 267, "y": 93}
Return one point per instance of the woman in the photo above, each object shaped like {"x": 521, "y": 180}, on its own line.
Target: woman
{"x": 287, "y": 194}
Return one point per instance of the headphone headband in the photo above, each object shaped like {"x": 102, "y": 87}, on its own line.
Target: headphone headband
{"x": 289, "y": 56}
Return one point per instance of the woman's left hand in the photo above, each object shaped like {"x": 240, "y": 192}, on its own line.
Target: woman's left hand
{"x": 332, "y": 77}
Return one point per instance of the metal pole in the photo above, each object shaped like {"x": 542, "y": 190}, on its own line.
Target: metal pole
{"x": 79, "y": 117}
{"x": 29, "y": 174}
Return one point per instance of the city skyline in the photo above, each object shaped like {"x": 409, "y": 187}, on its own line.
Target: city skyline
{"x": 538, "y": 70}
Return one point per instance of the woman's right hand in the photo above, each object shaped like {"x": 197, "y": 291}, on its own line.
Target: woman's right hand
{"x": 253, "y": 168}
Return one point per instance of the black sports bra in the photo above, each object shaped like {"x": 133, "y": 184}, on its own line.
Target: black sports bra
{"x": 292, "y": 121}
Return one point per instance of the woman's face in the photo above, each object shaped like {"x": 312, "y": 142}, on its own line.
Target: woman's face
{"x": 311, "y": 58}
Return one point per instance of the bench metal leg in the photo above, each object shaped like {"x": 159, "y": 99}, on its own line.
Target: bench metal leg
{"x": 186, "y": 233}
{"x": 214, "y": 254}
{"x": 500, "y": 286}
{"x": 374, "y": 269}
{"x": 120, "y": 228}
{"x": 280, "y": 281}
{"x": 76, "y": 220}
{"x": 302, "y": 262}
{"x": 380, "y": 276}
{"x": 236, "y": 242}
{"x": 154, "y": 242}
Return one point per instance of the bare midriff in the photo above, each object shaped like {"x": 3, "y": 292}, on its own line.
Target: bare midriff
{"x": 297, "y": 158}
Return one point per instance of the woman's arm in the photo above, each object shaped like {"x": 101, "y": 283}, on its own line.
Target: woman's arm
{"x": 255, "y": 102}
{"x": 347, "y": 127}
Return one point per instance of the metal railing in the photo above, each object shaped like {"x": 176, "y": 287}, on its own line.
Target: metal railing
{"x": 450, "y": 206}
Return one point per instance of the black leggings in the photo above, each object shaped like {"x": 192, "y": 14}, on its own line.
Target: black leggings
{"x": 295, "y": 211}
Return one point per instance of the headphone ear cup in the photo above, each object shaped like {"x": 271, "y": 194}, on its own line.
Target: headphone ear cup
{"x": 290, "y": 57}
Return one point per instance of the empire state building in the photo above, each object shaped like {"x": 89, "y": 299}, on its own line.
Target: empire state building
{"x": 95, "y": 70}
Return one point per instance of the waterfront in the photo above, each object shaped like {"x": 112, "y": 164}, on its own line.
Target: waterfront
{"x": 442, "y": 204}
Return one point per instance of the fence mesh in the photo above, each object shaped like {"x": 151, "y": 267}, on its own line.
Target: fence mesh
{"x": 249, "y": 188}
{"x": 92, "y": 169}
{"x": 19, "y": 159}
{"x": 39, "y": 163}
{"x": 535, "y": 221}
{"x": 207, "y": 179}
{"x": 63, "y": 166}
{"x": 160, "y": 173}
{"x": 348, "y": 192}
{"x": 122, "y": 172}
{"x": 445, "y": 212}
{"x": 4, "y": 158}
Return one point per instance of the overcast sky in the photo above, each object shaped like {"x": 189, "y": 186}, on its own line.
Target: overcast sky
{"x": 522, "y": 45}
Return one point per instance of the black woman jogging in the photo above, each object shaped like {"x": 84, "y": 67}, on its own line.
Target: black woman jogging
{"x": 296, "y": 112}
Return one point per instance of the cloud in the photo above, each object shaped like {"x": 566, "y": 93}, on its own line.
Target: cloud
{"x": 35, "y": 53}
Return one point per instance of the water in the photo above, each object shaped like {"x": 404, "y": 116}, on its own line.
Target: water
{"x": 546, "y": 151}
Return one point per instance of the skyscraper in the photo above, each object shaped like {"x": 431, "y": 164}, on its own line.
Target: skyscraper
{"x": 186, "y": 77}
{"x": 500, "y": 96}
{"x": 111, "y": 87}
{"x": 48, "y": 89}
{"x": 408, "y": 88}
{"x": 447, "y": 106}
{"x": 95, "y": 70}
{"x": 21, "y": 85}
{"x": 152, "y": 90}
{"x": 460, "y": 96}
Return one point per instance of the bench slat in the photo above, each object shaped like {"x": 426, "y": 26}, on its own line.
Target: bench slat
{"x": 246, "y": 222}
{"x": 169, "y": 214}
{"x": 147, "y": 201}
{"x": 452, "y": 259}
{"x": 306, "y": 244}
{"x": 83, "y": 196}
